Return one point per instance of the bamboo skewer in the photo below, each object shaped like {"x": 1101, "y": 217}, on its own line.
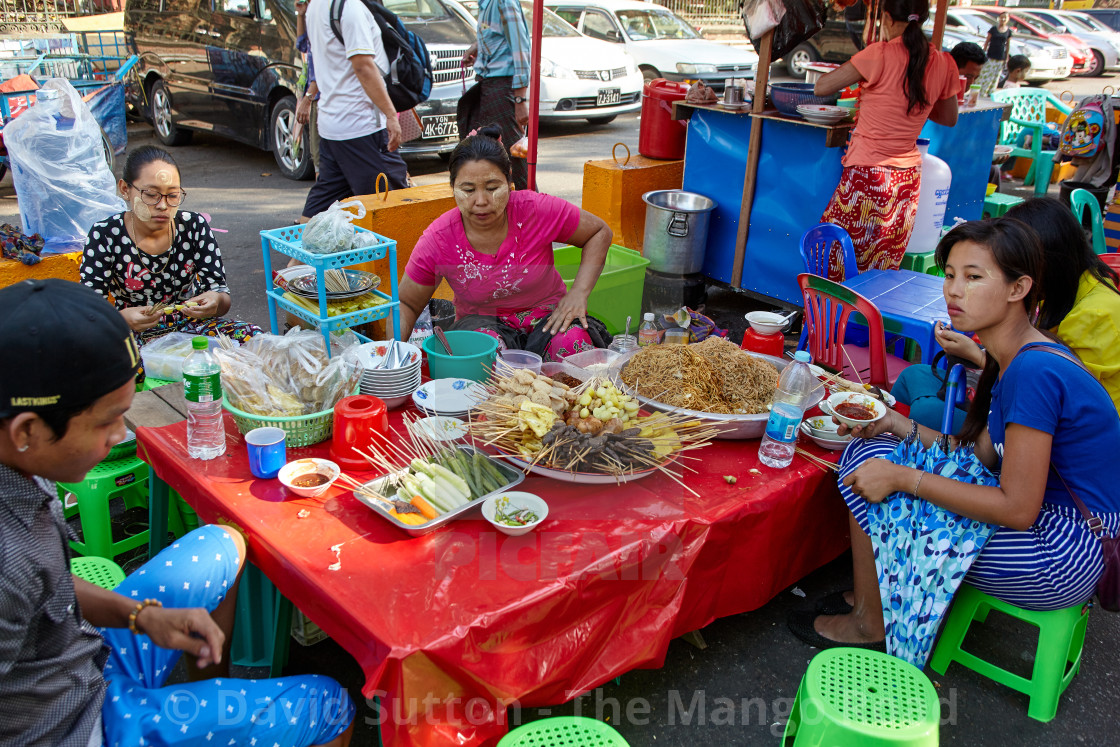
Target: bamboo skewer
{"x": 824, "y": 464}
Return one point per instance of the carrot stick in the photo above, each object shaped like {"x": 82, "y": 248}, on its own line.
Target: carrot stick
{"x": 425, "y": 507}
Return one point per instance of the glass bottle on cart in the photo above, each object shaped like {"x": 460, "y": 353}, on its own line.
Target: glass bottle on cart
{"x": 202, "y": 387}
{"x": 794, "y": 387}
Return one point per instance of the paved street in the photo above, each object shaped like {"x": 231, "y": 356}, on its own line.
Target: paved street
{"x": 738, "y": 689}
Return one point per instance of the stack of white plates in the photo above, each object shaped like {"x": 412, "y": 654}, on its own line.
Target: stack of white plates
{"x": 821, "y": 114}
{"x": 452, "y": 398}
{"x": 391, "y": 385}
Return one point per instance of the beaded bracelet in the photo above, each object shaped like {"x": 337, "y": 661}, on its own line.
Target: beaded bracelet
{"x": 139, "y": 608}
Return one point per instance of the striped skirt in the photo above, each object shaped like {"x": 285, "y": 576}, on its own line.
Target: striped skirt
{"x": 876, "y": 205}
{"x": 1054, "y": 564}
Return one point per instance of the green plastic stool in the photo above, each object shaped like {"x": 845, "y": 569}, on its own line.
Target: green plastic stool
{"x": 564, "y": 730}
{"x": 263, "y": 627}
{"x": 126, "y": 478}
{"x": 997, "y": 203}
{"x": 1061, "y": 636}
{"x": 924, "y": 262}
{"x": 852, "y": 696}
{"x": 151, "y": 383}
{"x": 98, "y": 571}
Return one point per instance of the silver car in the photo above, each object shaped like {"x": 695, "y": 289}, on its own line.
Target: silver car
{"x": 1103, "y": 42}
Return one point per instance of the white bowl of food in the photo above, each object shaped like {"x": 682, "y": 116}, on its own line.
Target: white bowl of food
{"x": 853, "y": 409}
{"x": 515, "y": 512}
{"x": 832, "y": 443}
{"x": 766, "y": 322}
{"x": 309, "y": 478}
{"x": 825, "y": 427}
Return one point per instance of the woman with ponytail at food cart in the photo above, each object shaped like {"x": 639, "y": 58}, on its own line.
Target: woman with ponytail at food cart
{"x": 904, "y": 80}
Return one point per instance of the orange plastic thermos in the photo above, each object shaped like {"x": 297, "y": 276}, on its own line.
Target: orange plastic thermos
{"x": 660, "y": 136}
{"x": 756, "y": 342}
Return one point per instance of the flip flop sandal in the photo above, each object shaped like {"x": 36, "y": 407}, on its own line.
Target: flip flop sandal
{"x": 801, "y": 625}
{"x": 833, "y": 604}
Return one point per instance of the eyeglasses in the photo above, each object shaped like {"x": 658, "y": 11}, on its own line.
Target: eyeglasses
{"x": 153, "y": 197}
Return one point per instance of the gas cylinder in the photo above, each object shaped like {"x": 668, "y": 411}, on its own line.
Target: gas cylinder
{"x": 756, "y": 342}
{"x": 661, "y": 136}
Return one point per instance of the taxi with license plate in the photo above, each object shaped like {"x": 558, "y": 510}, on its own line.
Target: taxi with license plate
{"x": 581, "y": 77}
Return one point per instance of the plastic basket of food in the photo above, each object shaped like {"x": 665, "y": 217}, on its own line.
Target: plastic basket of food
{"x": 786, "y": 97}
{"x": 301, "y": 430}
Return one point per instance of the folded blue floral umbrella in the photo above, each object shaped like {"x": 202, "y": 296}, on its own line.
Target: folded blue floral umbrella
{"x": 922, "y": 551}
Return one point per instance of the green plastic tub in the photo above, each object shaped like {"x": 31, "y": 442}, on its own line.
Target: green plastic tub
{"x": 475, "y": 353}
{"x": 618, "y": 293}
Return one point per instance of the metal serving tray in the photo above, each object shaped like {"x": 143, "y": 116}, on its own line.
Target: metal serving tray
{"x": 731, "y": 427}
{"x": 514, "y": 476}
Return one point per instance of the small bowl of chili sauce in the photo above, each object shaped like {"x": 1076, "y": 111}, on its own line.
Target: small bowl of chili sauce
{"x": 853, "y": 409}
{"x": 309, "y": 478}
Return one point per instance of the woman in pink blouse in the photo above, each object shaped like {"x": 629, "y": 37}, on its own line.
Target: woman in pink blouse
{"x": 495, "y": 251}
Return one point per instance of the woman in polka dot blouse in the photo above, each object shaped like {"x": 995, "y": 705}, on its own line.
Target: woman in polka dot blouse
{"x": 155, "y": 253}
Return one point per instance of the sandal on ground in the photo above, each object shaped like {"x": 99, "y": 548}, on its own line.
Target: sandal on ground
{"x": 834, "y": 604}
{"x": 801, "y": 625}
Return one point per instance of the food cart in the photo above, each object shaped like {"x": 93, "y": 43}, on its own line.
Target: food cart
{"x": 770, "y": 192}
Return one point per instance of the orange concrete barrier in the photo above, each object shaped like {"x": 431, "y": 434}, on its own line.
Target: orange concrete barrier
{"x": 64, "y": 266}
{"x": 402, "y": 215}
{"x": 613, "y": 189}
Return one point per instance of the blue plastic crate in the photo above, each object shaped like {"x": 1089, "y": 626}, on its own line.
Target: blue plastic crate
{"x": 289, "y": 241}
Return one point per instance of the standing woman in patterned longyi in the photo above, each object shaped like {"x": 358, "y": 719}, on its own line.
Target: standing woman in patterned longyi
{"x": 904, "y": 81}
{"x": 155, "y": 253}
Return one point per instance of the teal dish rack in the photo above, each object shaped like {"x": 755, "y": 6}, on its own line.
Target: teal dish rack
{"x": 289, "y": 242}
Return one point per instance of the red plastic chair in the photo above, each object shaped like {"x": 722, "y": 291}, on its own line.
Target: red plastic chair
{"x": 1112, "y": 259}
{"x": 828, "y": 307}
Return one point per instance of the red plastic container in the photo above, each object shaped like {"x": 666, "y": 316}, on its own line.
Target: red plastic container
{"x": 765, "y": 344}
{"x": 356, "y": 419}
{"x": 661, "y": 136}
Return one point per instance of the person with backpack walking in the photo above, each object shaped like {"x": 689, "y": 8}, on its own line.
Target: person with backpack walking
{"x": 501, "y": 64}
{"x": 358, "y": 128}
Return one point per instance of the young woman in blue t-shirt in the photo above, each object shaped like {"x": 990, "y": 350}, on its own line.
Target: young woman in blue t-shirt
{"x": 1032, "y": 409}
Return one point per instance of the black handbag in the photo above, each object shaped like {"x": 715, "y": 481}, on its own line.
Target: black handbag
{"x": 469, "y": 106}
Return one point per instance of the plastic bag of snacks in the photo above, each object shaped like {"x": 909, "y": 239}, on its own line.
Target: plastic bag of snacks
{"x": 332, "y": 230}
{"x": 289, "y": 375}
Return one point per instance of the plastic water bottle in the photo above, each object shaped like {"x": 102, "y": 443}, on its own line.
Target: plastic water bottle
{"x": 794, "y": 387}
{"x": 202, "y": 386}
{"x": 648, "y": 333}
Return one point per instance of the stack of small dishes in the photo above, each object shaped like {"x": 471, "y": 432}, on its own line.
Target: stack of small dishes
{"x": 360, "y": 283}
{"x": 822, "y": 431}
{"x": 452, "y": 398}
{"x": 821, "y": 114}
{"x": 390, "y": 372}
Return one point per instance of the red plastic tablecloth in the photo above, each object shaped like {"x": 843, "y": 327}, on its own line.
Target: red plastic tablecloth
{"x": 451, "y": 627}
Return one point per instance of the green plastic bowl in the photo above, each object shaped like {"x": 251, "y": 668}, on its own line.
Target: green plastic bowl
{"x": 475, "y": 353}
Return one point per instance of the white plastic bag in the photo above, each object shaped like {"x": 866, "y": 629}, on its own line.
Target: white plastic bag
{"x": 332, "y": 230}
{"x": 62, "y": 180}
{"x": 762, "y": 15}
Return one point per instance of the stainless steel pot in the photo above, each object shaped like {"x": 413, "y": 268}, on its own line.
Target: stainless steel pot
{"x": 676, "y": 232}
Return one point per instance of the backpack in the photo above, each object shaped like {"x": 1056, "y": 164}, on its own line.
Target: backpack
{"x": 409, "y": 80}
{"x": 1083, "y": 131}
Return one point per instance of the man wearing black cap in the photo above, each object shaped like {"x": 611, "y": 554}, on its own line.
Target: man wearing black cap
{"x": 66, "y": 381}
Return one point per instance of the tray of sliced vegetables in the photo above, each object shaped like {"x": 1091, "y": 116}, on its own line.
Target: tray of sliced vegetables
{"x": 424, "y": 488}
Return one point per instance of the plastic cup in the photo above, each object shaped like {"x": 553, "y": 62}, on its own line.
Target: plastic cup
{"x": 513, "y": 359}
{"x": 267, "y": 451}
{"x": 676, "y": 337}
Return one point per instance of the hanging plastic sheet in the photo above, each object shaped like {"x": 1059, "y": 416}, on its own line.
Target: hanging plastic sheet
{"x": 802, "y": 20}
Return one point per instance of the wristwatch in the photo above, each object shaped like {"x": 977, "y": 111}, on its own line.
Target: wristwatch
{"x": 519, "y": 99}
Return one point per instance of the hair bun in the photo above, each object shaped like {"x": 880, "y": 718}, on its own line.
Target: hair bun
{"x": 492, "y": 131}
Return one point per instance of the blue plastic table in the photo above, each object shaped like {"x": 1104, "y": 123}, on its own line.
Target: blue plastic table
{"x": 912, "y": 299}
